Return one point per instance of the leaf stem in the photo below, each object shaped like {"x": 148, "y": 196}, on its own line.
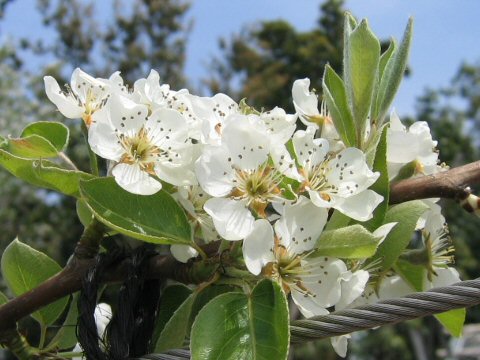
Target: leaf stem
{"x": 43, "y": 332}
{"x": 70, "y": 354}
{"x": 67, "y": 160}
{"x": 92, "y": 156}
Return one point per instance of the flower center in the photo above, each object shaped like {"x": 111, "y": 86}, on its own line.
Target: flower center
{"x": 259, "y": 187}
{"x": 316, "y": 180}
{"x": 139, "y": 150}
{"x": 288, "y": 270}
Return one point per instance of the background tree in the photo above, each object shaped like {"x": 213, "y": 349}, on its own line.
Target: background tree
{"x": 154, "y": 34}
{"x": 265, "y": 60}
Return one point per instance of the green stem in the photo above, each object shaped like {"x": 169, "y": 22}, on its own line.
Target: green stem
{"x": 69, "y": 354}
{"x": 202, "y": 253}
{"x": 43, "y": 333}
{"x": 67, "y": 160}
{"x": 92, "y": 156}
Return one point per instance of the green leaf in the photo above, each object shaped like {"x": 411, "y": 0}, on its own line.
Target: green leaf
{"x": 155, "y": 218}
{"x": 206, "y": 295}
{"x": 23, "y": 269}
{"x": 337, "y": 220}
{"x": 43, "y": 173}
{"x": 337, "y": 103}
{"x": 173, "y": 334}
{"x": 172, "y": 298}
{"x": 373, "y": 143}
{"x": 393, "y": 75}
{"x": 361, "y": 61}
{"x": 56, "y": 133}
{"x": 406, "y": 215}
{"x": 382, "y": 185}
{"x": 84, "y": 213}
{"x": 384, "y": 58}
{"x": 413, "y": 274}
{"x": 453, "y": 321}
{"x": 32, "y": 147}
{"x": 41, "y": 139}
{"x": 351, "y": 242}
{"x": 236, "y": 326}
{"x": 66, "y": 337}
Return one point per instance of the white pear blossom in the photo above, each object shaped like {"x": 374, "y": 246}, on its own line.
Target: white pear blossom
{"x": 410, "y": 146}
{"x": 306, "y": 106}
{"x": 192, "y": 199}
{"x": 144, "y": 147}
{"x": 237, "y": 174}
{"x": 282, "y": 253}
{"x": 280, "y": 125}
{"x": 148, "y": 91}
{"x": 338, "y": 181}
{"x": 84, "y": 96}
{"x": 210, "y": 113}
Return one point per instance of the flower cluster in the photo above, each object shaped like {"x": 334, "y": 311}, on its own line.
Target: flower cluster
{"x": 258, "y": 177}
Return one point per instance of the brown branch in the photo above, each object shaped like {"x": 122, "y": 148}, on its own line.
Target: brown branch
{"x": 69, "y": 280}
{"x": 452, "y": 184}
{"x": 449, "y": 184}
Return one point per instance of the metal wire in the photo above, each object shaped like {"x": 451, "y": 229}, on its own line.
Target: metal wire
{"x": 416, "y": 305}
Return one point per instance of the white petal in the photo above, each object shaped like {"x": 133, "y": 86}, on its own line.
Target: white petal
{"x": 126, "y": 115}
{"x": 103, "y": 139}
{"x": 231, "y": 218}
{"x": 247, "y": 140}
{"x": 340, "y": 344}
{"x": 134, "y": 180}
{"x": 306, "y": 305}
{"x": 352, "y": 287}
{"x": 103, "y": 314}
{"x": 309, "y": 151}
{"x": 317, "y": 199}
{"x": 183, "y": 252}
{"x": 284, "y": 162}
{"x": 176, "y": 175}
{"x": 324, "y": 279}
{"x": 167, "y": 127}
{"x": 445, "y": 277}
{"x": 393, "y": 287}
{"x": 280, "y": 126}
{"x": 88, "y": 88}
{"x": 258, "y": 247}
{"x": 359, "y": 207}
{"x": 350, "y": 173}
{"x": 67, "y": 105}
{"x": 214, "y": 171}
{"x": 305, "y": 102}
{"x": 300, "y": 225}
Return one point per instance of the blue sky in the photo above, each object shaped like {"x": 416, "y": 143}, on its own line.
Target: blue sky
{"x": 446, "y": 32}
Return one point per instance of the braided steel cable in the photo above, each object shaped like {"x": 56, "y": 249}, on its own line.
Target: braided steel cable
{"x": 416, "y": 305}
{"x": 460, "y": 295}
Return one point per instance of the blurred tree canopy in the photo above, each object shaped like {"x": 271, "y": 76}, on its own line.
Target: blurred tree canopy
{"x": 266, "y": 59}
